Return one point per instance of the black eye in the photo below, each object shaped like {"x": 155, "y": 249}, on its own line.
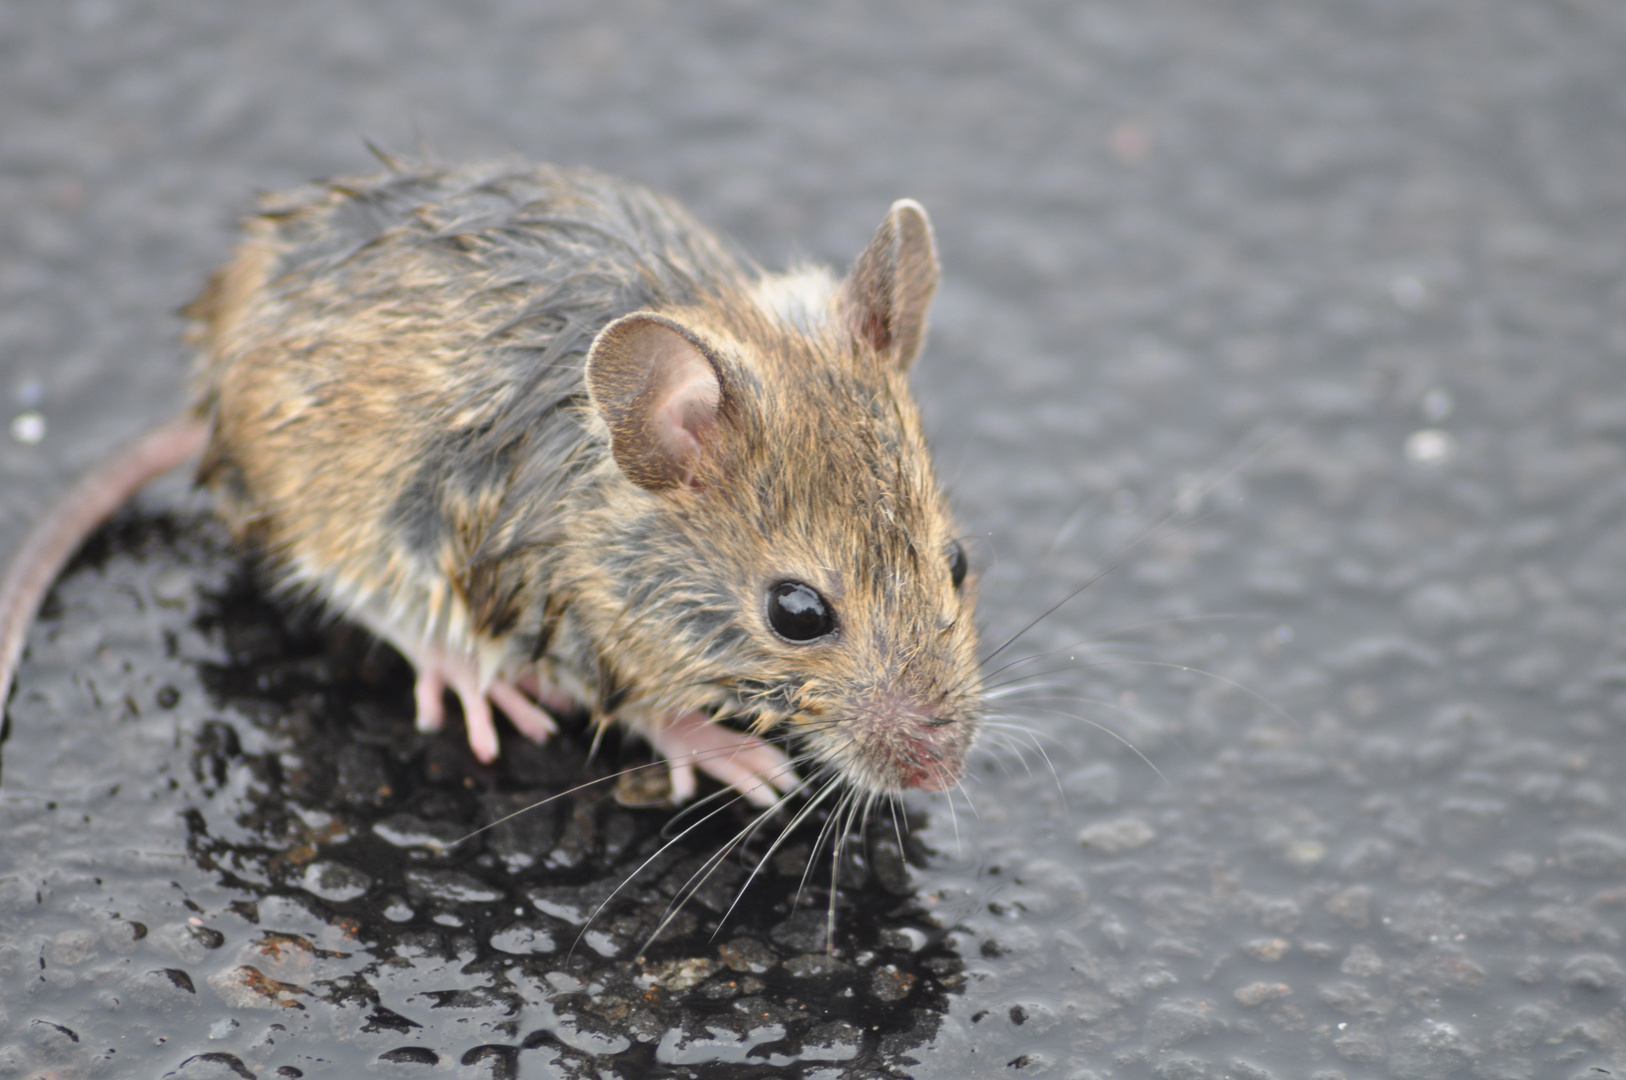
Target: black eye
{"x": 798, "y": 613}
{"x": 957, "y": 564}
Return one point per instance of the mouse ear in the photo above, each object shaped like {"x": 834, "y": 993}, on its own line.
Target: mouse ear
{"x": 885, "y": 296}
{"x": 659, "y": 388}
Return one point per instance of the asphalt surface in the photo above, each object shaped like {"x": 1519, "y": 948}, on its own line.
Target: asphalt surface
{"x": 1294, "y": 330}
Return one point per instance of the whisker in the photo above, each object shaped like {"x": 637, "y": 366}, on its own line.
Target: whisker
{"x": 1018, "y": 682}
{"x": 1025, "y": 688}
{"x": 831, "y": 783}
{"x": 641, "y": 867}
{"x": 1108, "y": 731}
{"x": 724, "y": 798}
{"x": 1103, "y": 640}
{"x": 954, "y": 820}
{"x": 1063, "y": 534}
{"x": 710, "y": 865}
{"x": 837, "y": 844}
{"x": 1083, "y": 645}
{"x": 1054, "y": 775}
{"x": 830, "y": 823}
{"x": 686, "y": 892}
{"x": 1008, "y": 733}
{"x": 658, "y": 763}
{"x": 1125, "y": 550}
{"x": 818, "y": 842}
{"x": 559, "y": 795}
{"x": 1217, "y": 677}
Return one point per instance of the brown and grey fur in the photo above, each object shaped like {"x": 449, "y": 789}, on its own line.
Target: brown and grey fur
{"x": 428, "y": 398}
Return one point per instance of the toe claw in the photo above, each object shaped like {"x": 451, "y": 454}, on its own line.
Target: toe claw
{"x": 482, "y": 731}
{"x": 683, "y": 782}
{"x": 427, "y": 694}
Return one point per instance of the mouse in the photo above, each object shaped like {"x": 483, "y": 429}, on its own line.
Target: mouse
{"x": 563, "y": 448}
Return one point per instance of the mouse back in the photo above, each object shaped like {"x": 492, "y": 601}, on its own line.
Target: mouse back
{"x": 394, "y": 369}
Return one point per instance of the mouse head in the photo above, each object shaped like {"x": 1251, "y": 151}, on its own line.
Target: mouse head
{"x": 782, "y": 548}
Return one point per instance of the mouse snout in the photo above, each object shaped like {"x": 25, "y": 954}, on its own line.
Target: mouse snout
{"x": 913, "y": 743}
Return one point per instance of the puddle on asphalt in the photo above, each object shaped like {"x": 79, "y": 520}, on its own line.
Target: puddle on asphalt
{"x": 230, "y": 854}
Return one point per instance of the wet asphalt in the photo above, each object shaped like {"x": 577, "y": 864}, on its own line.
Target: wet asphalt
{"x": 1291, "y": 333}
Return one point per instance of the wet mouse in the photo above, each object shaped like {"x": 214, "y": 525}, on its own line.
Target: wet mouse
{"x": 540, "y": 430}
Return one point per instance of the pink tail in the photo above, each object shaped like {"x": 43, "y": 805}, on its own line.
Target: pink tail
{"x": 59, "y": 534}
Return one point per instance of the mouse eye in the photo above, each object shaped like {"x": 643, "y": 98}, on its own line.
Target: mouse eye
{"x": 957, "y": 564}
{"x": 798, "y": 613}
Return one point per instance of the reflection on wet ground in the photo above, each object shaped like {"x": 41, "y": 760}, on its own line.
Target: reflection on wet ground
{"x": 334, "y": 905}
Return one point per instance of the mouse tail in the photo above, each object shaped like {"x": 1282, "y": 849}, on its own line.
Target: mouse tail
{"x": 55, "y": 539}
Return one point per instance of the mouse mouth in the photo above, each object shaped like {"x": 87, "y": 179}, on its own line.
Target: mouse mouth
{"x": 928, "y": 768}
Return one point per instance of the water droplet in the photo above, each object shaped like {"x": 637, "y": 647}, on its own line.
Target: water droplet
{"x": 1430, "y": 446}
{"x": 28, "y": 428}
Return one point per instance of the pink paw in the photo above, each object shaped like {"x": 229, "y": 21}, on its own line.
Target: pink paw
{"x": 438, "y": 672}
{"x": 753, "y": 768}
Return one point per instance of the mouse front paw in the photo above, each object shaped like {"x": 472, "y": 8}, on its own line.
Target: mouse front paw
{"x": 440, "y": 672}
{"x": 757, "y": 770}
